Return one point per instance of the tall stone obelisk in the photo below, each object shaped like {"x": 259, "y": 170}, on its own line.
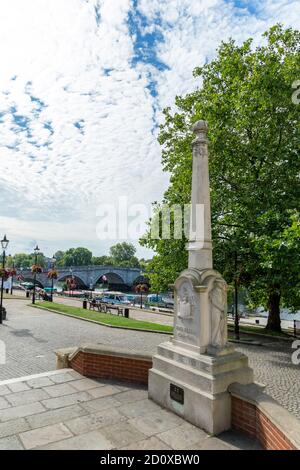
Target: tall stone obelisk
{"x": 192, "y": 372}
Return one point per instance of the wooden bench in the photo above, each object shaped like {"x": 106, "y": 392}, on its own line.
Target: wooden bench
{"x": 120, "y": 310}
{"x": 107, "y": 308}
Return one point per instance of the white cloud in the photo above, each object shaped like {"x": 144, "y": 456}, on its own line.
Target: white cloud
{"x": 84, "y": 125}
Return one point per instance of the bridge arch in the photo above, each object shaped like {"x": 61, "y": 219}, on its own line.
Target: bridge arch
{"x": 114, "y": 280}
{"x": 31, "y": 280}
{"x": 79, "y": 282}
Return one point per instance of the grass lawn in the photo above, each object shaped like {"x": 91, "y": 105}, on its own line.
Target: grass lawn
{"x": 104, "y": 318}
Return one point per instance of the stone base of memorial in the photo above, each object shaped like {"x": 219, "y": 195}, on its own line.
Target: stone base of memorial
{"x": 192, "y": 372}
{"x": 195, "y": 386}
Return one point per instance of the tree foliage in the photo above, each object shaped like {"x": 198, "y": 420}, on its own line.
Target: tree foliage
{"x": 123, "y": 254}
{"x": 246, "y": 97}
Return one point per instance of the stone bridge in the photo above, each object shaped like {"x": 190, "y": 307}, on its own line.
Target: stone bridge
{"x": 87, "y": 277}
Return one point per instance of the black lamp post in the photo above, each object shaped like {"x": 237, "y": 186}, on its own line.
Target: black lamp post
{"x": 236, "y": 313}
{"x": 141, "y": 275}
{"x": 4, "y": 244}
{"x": 36, "y": 250}
{"x": 12, "y": 276}
{"x": 52, "y": 278}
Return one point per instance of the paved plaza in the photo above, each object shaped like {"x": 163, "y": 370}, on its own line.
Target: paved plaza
{"x": 63, "y": 410}
{"x": 32, "y": 335}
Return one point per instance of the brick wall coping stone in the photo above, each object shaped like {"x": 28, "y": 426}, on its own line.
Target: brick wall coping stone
{"x": 105, "y": 350}
{"x": 288, "y": 424}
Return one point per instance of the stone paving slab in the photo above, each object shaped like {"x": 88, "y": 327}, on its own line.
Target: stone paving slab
{"x": 155, "y": 423}
{"x": 26, "y": 397}
{"x": 59, "y": 390}
{"x": 122, "y": 434}
{"x": 89, "y": 441}
{"x": 94, "y": 421}
{"x": 123, "y": 419}
{"x": 3, "y": 403}
{"x": 66, "y": 400}
{"x": 182, "y": 436}
{"x": 10, "y": 443}
{"x": 22, "y": 411}
{"x": 4, "y": 390}
{"x": 40, "y": 382}
{"x": 106, "y": 390}
{"x": 55, "y": 416}
{"x": 152, "y": 443}
{"x": 13, "y": 427}
{"x": 86, "y": 384}
{"x": 43, "y": 436}
{"x": 18, "y": 387}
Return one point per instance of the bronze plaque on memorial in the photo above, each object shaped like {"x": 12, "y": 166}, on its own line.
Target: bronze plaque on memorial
{"x": 177, "y": 393}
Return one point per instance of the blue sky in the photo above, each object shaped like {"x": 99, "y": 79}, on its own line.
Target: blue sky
{"x": 82, "y": 88}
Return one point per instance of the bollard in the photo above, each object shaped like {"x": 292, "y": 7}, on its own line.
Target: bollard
{"x": 3, "y": 313}
{"x": 84, "y": 304}
{"x": 126, "y": 312}
{"x": 27, "y": 294}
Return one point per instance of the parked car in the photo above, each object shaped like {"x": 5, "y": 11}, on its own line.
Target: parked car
{"x": 160, "y": 301}
{"x": 168, "y": 302}
{"x": 154, "y": 298}
{"x": 114, "y": 298}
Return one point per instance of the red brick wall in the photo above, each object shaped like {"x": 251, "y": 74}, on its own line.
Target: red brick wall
{"x": 111, "y": 367}
{"x": 247, "y": 418}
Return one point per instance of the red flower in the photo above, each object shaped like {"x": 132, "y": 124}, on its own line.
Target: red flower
{"x": 36, "y": 268}
{"x": 141, "y": 288}
{"x": 52, "y": 274}
{"x": 4, "y": 274}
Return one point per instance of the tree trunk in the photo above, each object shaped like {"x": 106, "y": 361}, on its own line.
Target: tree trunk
{"x": 274, "y": 322}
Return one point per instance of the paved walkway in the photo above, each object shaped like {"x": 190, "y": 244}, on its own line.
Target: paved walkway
{"x": 32, "y": 335}
{"x": 65, "y": 411}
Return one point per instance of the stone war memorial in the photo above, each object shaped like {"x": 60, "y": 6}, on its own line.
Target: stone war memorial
{"x": 191, "y": 373}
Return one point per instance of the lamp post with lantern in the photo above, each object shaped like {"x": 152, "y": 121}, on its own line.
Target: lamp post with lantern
{"x": 4, "y": 244}
{"x": 13, "y": 272}
{"x": 36, "y": 250}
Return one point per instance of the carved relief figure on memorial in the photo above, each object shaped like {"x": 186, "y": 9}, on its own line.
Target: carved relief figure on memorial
{"x": 218, "y": 311}
{"x": 185, "y": 302}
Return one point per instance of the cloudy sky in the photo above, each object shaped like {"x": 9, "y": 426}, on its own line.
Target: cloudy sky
{"x": 82, "y": 86}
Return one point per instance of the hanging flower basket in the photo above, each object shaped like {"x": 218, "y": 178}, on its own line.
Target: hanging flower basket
{"x": 36, "y": 269}
{"x": 12, "y": 271}
{"x": 52, "y": 274}
{"x": 141, "y": 288}
{"x": 71, "y": 283}
{"x": 4, "y": 274}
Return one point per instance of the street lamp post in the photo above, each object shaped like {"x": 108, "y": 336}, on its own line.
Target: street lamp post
{"x": 236, "y": 313}
{"x": 4, "y": 244}
{"x": 141, "y": 274}
{"x": 12, "y": 276}
{"x": 36, "y": 250}
{"x": 52, "y": 278}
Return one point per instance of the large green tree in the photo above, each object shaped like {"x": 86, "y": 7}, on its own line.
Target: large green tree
{"x": 77, "y": 257}
{"x": 123, "y": 254}
{"x": 24, "y": 260}
{"x": 246, "y": 97}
